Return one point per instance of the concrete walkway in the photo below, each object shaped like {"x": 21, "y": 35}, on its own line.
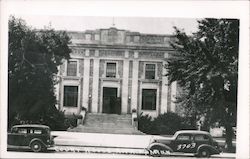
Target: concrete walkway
{"x": 101, "y": 140}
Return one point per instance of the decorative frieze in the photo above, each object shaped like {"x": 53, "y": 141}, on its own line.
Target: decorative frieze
{"x": 151, "y": 54}
{"x": 111, "y": 53}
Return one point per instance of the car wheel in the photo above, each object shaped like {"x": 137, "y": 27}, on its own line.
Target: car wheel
{"x": 204, "y": 153}
{"x": 36, "y": 146}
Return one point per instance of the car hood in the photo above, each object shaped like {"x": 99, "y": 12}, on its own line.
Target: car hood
{"x": 162, "y": 139}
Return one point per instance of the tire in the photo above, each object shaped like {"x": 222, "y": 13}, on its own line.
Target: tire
{"x": 204, "y": 153}
{"x": 36, "y": 146}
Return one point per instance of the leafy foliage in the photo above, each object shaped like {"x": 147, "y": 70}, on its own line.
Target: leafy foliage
{"x": 145, "y": 123}
{"x": 34, "y": 56}
{"x": 164, "y": 124}
{"x": 205, "y": 65}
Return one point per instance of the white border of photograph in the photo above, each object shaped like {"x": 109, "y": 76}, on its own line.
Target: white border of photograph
{"x": 174, "y": 9}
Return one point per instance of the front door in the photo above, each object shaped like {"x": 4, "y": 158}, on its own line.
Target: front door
{"x": 111, "y": 104}
{"x": 184, "y": 143}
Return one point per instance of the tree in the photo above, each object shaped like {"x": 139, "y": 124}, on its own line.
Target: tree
{"x": 205, "y": 65}
{"x": 34, "y": 56}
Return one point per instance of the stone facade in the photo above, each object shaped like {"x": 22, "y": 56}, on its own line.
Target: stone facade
{"x": 116, "y": 69}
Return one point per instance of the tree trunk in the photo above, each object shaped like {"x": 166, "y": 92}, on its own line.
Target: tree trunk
{"x": 229, "y": 137}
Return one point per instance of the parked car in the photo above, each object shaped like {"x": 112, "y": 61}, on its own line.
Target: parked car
{"x": 35, "y": 137}
{"x": 200, "y": 143}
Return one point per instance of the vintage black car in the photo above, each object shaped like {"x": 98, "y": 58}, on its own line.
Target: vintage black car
{"x": 200, "y": 143}
{"x": 35, "y": 137}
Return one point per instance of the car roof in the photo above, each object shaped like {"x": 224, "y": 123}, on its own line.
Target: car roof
{"x": 193, "y": 132}
{"x": 31, "y": 126}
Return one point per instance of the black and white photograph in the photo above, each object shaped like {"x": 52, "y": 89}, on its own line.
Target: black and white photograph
{"x": 120, "y": 86}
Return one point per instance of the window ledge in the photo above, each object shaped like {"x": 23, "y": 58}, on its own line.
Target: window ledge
{"x": 110, "y": 79}
{"x": 150, "y": 80}
{"x": 71, "y": 77}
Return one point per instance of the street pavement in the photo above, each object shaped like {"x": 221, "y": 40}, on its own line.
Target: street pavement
{"x": 58, "y": 154}
{"x": 131, "y": 145}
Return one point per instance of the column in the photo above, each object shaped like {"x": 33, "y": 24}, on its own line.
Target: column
{"x": 85, "y": 93}
{"x": 134, "y": 85}
{"x": 173, "y": 95}
{"x": 125, "y": 86}
{"x": 95, "y": 89}
{"x": 57, "y": 89}
{"x": 164, "y": 90}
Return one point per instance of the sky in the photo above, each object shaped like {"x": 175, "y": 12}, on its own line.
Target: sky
{"x": 148, "y": 25}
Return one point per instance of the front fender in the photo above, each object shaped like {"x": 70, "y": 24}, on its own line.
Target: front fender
{"x": 212, "y": 149}
{"x": 159, "y": 149}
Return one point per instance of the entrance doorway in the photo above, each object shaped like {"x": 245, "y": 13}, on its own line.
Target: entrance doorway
{"x": 111, "y": 103}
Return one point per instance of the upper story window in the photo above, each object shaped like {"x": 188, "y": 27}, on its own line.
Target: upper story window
{"x": 111, "y": 69}
{"x": 72, "y": 68}
{"x": 136, "y": 39}
{"x": 150, "y": 71}
{"x": 97, "y": 37}
{"x": 88, "y": 37}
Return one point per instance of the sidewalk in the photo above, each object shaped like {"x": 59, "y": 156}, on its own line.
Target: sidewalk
{"x": 101, "y": 140}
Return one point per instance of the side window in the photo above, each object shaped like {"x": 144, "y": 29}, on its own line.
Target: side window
{"x": 72, "y": 68}
{"x": 22, "y": 131}
{"x": 35, "y": 131}
{"x": 14, "y": 130}
{"x": 183, "y": 137}
{"x": 201, "y": 138}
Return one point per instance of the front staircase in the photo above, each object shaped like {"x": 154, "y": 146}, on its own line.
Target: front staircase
{"x": 107, "y": 123}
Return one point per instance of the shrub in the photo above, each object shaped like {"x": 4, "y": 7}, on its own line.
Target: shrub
{"x": 164, "y": 124}
{"x": 167, "y": 123}
{"x": 145, "y": 123}
{"x": 53, "y": 118}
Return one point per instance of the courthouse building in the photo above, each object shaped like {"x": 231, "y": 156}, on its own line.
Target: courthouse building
{"x": 114, "y": 71}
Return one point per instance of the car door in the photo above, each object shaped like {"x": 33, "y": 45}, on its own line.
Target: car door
{"x": 18, "y": 137}
{"x": 200, "y": 139}
{"x": 12, "y": 136}
{"x": 184, "y": 143}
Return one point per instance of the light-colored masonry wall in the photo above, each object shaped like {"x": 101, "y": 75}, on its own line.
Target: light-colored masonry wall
{"x": 131, "y": 58}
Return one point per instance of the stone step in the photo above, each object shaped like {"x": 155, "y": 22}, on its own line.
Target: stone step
{"x": 107, "y": 130}
{"x": 107, "y": 123}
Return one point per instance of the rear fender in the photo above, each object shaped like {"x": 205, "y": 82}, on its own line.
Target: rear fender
{"x": 212, "y": 149}
{"x": 39, "y": 140}
{"x": 159, "y": 149}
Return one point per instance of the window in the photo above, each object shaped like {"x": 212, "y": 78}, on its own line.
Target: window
{"x": 183, "y": 137}
{"x": 35, "y": 131}
{"x": 97, "y": 37}
{"x": 150, "y": 71}
{"x": 111, "y": 70}
{"x": 136, "y": 39}
{"x": 22, "y": 131}
{"x": 149, "y": 99}
{"x": 72, "y": 68}
{"x": 88, "y": 37}
{"x": 70, "y": 96}
{"x": 201, "y": 138}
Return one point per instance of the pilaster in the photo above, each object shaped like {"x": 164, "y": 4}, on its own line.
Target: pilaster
{"x": 85, "y": 93}
{"x": 95, "y": 89}
{"x": 125, "y": 86}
